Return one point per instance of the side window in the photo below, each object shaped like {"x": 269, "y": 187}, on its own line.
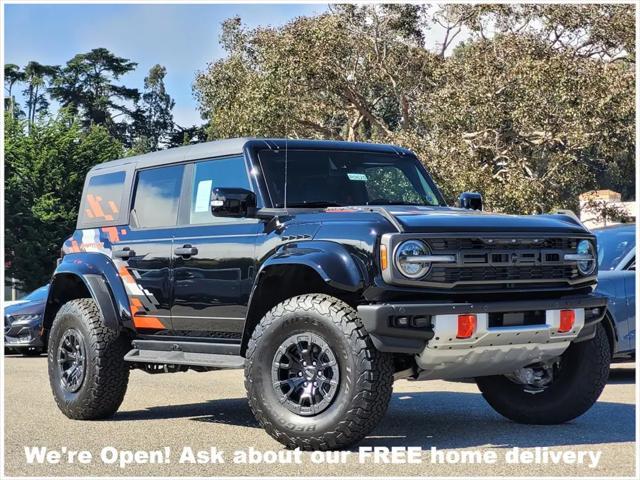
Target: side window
{"x": 157, "y": 195}
{"x": 226, "y": 172}
{"x": 102, "y": 198}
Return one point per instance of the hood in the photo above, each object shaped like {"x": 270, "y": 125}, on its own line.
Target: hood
{"x": 26, "y": 308}
{"x": 446, "y": 219}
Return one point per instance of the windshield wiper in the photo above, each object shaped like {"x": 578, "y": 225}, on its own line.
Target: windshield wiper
{"x": 398, "y": 202}
{"x": 314, "y": 204}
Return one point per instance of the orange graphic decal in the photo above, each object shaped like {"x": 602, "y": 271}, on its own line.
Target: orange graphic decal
{"x": 141, "y": 320}
{"x": 94, "y": 205}
{"x": 113, "y": 206}
{"x": 112, "y": 233}
{"x": 147, "y": 322}
{"x": 126, "y": 276}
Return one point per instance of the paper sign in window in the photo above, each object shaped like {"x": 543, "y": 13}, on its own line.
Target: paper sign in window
{"x": 203, "y": 196}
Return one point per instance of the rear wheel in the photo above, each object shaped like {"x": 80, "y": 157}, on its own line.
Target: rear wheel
{"x": 556, "y": 391}
{"x": 314, "y": 379}
{"x": 87, "y": 371}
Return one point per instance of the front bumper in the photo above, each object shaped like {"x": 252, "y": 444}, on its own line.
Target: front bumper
{"x": 429, "y": 332}
{"x": 23, "y": 335}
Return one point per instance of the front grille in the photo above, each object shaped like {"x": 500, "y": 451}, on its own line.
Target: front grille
{"x": 509, "y": 261}
{"x": 505, "y": 274}
{"x": 490, "y": 244}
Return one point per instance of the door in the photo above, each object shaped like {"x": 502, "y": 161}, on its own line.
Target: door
{"x": 213, "y": 257}
{"x": 630, "y": 293}
{"x": 143, "y": 254}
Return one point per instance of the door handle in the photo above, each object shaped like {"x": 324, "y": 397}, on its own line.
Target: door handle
{"x": 125, "y": 252}
{"x": 186, "y": 251}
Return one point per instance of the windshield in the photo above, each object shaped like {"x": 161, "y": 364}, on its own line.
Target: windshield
{"x": 613, "y": 245}
{"x": 322, "y": 178}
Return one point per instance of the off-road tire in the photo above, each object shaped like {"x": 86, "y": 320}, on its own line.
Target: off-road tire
{"x": 365, "y": 384}
{"x": 106, "y": 375}
{"x": 583, "y": 374}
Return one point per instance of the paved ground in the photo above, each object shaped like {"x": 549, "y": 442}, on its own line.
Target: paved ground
{"x": 201, "y": 410}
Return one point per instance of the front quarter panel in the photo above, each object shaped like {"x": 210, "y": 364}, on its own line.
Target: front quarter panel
{"x": 612, "y": 284}
{"x": 330, "y": 260}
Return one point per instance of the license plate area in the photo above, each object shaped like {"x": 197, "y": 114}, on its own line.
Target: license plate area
{"x": 517, "y": 319}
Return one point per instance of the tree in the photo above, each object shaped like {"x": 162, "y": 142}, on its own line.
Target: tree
{"x": 36, "y": 76}
{"x": 534, "y": 107}
{"x": 44, "y": 176}
{"x": 12, "y": 75}
{"x": 181, "y": 136}
{"x": 153, "y": 119}
{"x": 86, "y": 86}
{"x": 351, "y": 74}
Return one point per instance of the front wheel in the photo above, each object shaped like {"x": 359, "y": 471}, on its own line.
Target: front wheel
{"x": 314, "y": 379}
{"x": 556, "y": 391}
{"x": 87, "y": 371}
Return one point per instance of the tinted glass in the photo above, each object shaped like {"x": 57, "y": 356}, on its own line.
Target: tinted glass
{"x": 157, "y": 196}
{"x": 226, "y": 172}
{"x": 102, "y": 197}
{"x": 339, "y": 178}
{"x": 613, "y": 245}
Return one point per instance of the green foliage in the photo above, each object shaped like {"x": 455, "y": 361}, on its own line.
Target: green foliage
{"x": 535, "y": 107}
{"x": 44, "y": 175}
{"x": 153, "y": 120}
{"x": 86, "y": 86}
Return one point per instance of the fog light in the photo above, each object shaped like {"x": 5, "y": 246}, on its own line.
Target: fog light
{"x": 402, "y": 321}
{"x": 466, "y": 326}
{"x": 420, "y": 322}
{"x": 567, "y": 319}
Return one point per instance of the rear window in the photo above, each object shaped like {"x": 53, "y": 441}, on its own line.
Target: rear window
{"x": 102, "y": 198}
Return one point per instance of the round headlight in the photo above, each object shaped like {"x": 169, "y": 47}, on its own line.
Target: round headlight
{"x": 406, "y": 261}
{"x": 586, "y": 267}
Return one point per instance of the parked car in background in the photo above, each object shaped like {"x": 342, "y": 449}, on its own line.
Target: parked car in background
{"x": 617, "y": 280}
{"x": 23, "y": 324}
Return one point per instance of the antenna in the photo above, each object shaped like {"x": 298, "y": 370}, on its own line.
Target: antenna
{"x": 286, "y": 146}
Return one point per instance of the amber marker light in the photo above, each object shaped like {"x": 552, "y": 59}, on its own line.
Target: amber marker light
{"x": 384, "y": 257}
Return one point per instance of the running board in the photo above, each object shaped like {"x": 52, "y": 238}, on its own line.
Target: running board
{"x": 185, "y": 353}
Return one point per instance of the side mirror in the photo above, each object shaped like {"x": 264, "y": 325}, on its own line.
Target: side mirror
{"x": 470, "y": 200}
{"x": 233, "y": 202}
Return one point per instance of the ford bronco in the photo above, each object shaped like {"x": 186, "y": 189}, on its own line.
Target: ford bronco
{"x": 326, "y": 270}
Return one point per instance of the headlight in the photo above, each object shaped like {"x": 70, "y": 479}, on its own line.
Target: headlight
{"x": 408, "y": 261}
{"x": 26, "y": 318}
{"x": 585, "y": 249}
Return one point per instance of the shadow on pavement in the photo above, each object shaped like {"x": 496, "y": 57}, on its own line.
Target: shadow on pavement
{"x": 465, "y": 420}
{"x": 622, "y": 376}
{"x": 439, "y": 419}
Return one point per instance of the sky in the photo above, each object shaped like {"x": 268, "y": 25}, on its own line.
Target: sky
{"x": 183, "y": 38}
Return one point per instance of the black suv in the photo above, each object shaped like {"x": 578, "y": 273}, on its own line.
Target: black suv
{"x": 326, "y": 270}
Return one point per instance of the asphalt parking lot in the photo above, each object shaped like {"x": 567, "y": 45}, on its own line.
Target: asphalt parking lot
{"x": 203, "y": 410}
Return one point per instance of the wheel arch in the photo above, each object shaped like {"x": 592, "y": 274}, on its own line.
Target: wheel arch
{"x": 308, "y": 267}
{"x": 89, "y": 275}
{"x": 612, "y": 333}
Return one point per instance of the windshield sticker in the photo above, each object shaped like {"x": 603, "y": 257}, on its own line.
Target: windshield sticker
{"x": 358, "y": 177}
{"x": 203, "y": 195}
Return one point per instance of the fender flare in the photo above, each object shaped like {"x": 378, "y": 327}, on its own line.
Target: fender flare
{"x": 331, "y": 260}
{"x": 100, "y": 277}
